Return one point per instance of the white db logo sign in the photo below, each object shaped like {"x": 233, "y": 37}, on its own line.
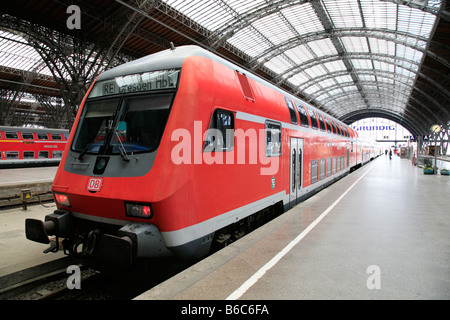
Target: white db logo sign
{"x": 95, "y": 184}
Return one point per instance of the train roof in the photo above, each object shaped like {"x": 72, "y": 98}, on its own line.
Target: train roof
{"x": 174, "y": 58}
{"x": 26, "y": 129}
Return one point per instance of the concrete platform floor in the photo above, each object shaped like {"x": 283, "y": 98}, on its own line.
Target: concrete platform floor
{"x": 27, "y": 175}
{"x": 382, "y": 233}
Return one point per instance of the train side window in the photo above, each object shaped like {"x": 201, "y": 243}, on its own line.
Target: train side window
{"x": 42, "y": 136}
{"x": 27, "y": 136}
{"x": 56, "y": 154}
{"x": 334, "y": 165}
{"x": 314, "y": 123}
{"x": 291, "y": 110}
{"x": 12, "y": 154}
{"x": 221, "y": 132}
{"x": 322, "y": 122}
{"x": 334, "y": 127}
{"x": 328, "y": 124}
{"x": 328, "y": 167}
{"x": 11, "y": 135}
{"x": 56, "y": 136}
{"x": 338, "y": 131}
{"x": 28, "y": 154}
{"x": 303, "y": 115}
{"x": 314, "y": 171}
{"x": 43, "y": 155}
{"x": 273, "y": 139}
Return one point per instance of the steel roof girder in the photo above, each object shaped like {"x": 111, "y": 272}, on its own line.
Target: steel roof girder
{"x": 386, "y": 58}
{"x": 272, "y": 52}
{"x": 220, "y": 36}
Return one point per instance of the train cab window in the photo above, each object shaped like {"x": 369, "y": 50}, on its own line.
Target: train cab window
{"x": 43, "y": 154}
{"x": 273, "y": 139}
{"x": 221, "y": 132}
{"x": 28, "y": 154}
{"x": 291, "y": 110}
{"x": 11, "y": 135}
{"x": 321, "y": 121}
{"x": 303, "y": 115}
{"x": 42, "y": 136}
{"x": 312, "y": 115}
{"x": 56, "y": 136}
{"x": 12, "y": 154}
{"x": 138, "y": 128}
{"x": 27, "y": 136}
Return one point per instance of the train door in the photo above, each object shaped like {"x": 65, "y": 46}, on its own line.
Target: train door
{"x": 296, "y": 170}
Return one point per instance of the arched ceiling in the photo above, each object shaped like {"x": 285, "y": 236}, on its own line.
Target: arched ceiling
{"x": 350, "y": 58}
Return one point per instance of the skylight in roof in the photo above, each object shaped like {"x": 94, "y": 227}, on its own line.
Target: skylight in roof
{"x": 16, "y": 53}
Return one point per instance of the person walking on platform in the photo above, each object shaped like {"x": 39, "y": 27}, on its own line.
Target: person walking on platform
{"x": 390, "y": 154}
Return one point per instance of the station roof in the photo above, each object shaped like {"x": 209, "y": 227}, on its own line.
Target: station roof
{"x": 350, "y": 58}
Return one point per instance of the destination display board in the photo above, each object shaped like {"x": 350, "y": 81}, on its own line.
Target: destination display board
{"x": 147, "y": 81}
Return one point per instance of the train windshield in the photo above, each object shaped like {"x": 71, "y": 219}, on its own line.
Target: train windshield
{"x": 123, "y": 125}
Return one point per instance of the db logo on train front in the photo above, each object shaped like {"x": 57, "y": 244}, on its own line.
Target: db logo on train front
{"x": 94, "y": 184}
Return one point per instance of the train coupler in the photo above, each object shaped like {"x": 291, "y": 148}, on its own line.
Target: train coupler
{"x": 59, "y": 223}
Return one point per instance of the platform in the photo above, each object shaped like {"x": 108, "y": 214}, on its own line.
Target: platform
{"x": 12, "y": 181}
{"x": 381, "y": 232}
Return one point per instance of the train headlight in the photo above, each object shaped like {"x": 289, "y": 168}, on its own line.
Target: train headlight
{"x": 62, "y": 199}
{"x": 138, "y": 210}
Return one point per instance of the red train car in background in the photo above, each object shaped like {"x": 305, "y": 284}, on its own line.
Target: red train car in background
{"x": 21, "y": 146}
{"x": 182, "y": 149}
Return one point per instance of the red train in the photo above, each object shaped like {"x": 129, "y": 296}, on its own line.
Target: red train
{"x": 181, "y": 148}
{"x": 20, "y": 146}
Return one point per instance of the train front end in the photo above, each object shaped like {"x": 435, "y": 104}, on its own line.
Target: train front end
{"x": 110, "y": 180}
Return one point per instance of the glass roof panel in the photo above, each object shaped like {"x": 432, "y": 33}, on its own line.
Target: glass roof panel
{"x": 299, "y": 54}
{"x": 298, "y": 79}
{"x": 279, "y": 64}
{"x": 16, "y": 53}
{"x": 303, "y": 19}
{"x": 322, "y": 47}
{"x": 362, "y": 63}
{"x": 344, "y": 13}
{"x": 414, "y": 21}
{"x": 355, "y": 44}
{"x": 242, "y": 7}
{"x": 316, "y": 71}
{"x": 335, "y": 66}
{"x": 379, "y": 14}
{"x": 249, "y": 42}
{"x": 274, "y": 29}
{"x": 208, "y": 13}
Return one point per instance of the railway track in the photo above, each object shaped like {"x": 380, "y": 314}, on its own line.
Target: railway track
{"x": 94, "y": 284}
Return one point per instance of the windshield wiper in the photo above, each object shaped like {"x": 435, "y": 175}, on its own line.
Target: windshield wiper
{"x": 82, "y": 153}
{"x": 120, "y": 146}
